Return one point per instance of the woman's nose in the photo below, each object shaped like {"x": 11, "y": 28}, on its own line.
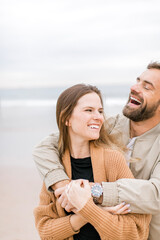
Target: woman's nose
{"x": 98, "y": 115}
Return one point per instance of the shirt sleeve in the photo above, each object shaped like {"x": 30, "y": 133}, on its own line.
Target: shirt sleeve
{"x": 143, "y": 195}
{"x": 46, "y": 158}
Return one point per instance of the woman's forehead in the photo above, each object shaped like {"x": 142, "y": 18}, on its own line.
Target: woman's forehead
{"x": 89, "y": 99}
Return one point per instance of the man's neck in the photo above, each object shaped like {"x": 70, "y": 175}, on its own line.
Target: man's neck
{"x": 139, "y": 128}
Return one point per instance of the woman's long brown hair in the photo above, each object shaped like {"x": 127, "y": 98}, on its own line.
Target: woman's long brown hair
{"x": 64, "y": 108}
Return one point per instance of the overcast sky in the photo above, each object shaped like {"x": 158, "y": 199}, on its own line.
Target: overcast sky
{"x": 61, "y": 42}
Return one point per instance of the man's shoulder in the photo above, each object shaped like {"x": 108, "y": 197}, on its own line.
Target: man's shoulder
{"x": 117, "y": 121}
{"x": 51, "y": 138}
{"x": 49, "y": 141}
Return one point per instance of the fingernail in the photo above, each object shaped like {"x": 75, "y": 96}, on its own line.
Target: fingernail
{"x": 124, "y": 203}
{"x": 128, "y": 205}
{"x": 129, "y": 210}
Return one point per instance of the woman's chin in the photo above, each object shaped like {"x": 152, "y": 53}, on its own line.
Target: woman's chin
{"x": 95, "y": 137}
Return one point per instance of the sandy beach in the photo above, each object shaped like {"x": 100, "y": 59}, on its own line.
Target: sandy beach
{"x": 20, "y": 187}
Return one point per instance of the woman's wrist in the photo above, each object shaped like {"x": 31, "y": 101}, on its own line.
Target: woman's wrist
{"x": 60, "y": 184}
{"x": 77, "y": 222}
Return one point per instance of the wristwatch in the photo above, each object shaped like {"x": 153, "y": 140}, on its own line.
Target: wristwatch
{"x": 96, "y": 192}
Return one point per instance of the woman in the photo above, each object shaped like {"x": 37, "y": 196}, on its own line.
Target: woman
{"x": 87, "y": 152}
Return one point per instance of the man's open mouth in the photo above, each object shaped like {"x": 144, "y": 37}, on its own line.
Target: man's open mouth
{"x": 135, "y": 101}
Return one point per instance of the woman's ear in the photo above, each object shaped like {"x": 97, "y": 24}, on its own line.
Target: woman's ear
{"x": 67, "y": 123}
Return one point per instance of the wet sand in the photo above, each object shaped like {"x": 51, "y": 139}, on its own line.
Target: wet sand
{"x": 20, "y": 187}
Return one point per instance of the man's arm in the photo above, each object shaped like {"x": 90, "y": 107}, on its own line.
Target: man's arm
{"x": 142, "y": 195}
{"x": 47, "y": 160}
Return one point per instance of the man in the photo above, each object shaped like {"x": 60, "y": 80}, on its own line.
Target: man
{"x": 140, "y": 132}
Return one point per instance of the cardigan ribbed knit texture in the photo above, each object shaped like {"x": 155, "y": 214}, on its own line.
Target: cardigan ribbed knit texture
{"x": 108, "y": 165}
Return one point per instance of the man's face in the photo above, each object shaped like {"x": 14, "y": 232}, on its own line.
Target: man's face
{"x": 144, "y": 98}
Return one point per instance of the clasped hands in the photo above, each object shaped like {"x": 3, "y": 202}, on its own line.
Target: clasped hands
{"x": 75, "y": 195}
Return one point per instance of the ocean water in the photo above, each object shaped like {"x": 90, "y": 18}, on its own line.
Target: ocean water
{"x": 27, "y": 116}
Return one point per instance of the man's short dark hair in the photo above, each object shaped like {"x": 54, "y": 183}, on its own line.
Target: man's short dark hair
{"x": 154, "y": 65}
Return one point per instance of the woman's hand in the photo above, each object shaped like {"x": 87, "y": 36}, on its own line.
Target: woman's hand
{"x": 121, "y": 208}
{"x": 76, "y": 220}
{"x": 61, "y": 194}
{"x": 78, "y": 194}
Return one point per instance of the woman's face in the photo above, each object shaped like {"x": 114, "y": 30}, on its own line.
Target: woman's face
{"x": 86, "y": 119}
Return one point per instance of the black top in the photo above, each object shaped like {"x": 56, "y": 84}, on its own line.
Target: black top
{"x": 82, "y": 168}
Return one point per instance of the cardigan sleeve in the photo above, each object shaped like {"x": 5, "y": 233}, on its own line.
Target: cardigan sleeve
{"x": 47, "y": 220}
{"x": 122, "y": 227}
{"x": 113, "y": 227}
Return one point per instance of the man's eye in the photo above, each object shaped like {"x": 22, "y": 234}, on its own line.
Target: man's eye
{"x": 146, "y": 87}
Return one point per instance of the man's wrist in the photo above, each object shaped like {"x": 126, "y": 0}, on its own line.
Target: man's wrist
{"x": 97, "y": 193}
{"x": 110, "y": 194}
{"x": 100, "y": 200}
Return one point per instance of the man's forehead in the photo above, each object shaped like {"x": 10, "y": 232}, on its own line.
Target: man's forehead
{"x": 152, "y": 75}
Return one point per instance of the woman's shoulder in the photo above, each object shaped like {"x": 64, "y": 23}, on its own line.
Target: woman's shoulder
{"x": 113, "y": 150}
{"x": 114, "y": 155}
{"x": 109, "y": 153}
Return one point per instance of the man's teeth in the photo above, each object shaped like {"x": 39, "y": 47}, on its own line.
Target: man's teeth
{"x": 134, "y": 99}
{"x": 94, "y": 126}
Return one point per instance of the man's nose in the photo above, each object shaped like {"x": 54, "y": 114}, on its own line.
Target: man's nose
{"x": 135, "y": 88}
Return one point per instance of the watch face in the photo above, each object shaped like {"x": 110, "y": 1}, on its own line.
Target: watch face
{"x": 96, "y": 190}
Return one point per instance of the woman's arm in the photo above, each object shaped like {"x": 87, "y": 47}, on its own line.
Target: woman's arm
{"x": 125, "y": 227}
{"x": 53, "y": 224}
{"x": 122, "y": 227}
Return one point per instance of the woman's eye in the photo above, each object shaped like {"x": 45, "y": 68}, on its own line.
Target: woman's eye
{"x": 101, "y": 111}
{"x": 88, "y": 110}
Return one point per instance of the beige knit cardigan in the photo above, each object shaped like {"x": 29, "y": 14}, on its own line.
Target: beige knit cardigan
{"x": 108, "y": 165}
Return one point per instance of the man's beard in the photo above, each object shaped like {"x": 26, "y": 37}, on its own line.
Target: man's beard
{"x": 142, "y": 113}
